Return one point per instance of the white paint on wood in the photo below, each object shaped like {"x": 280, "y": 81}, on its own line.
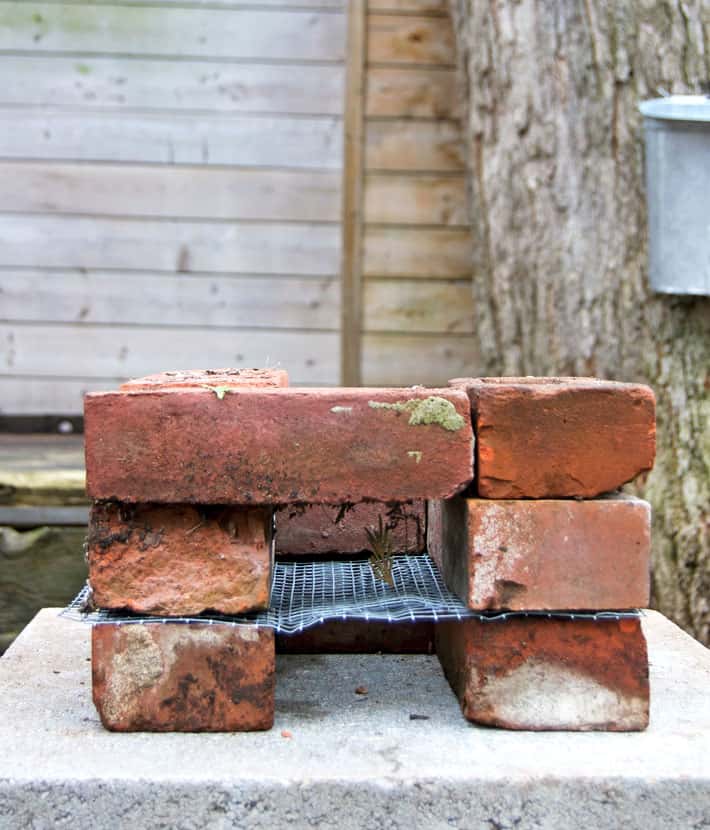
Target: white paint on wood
{"x": 335, "y": 5}
{"x": 33, "y": 396}
{"x": 208, "y": 300}
{"x": 244, "y": 33}
{"x": 170, "y": 245}
{"x": 173, "y": 139}
{"x": 105, "y": 107}
{"x": 80, "y": 351}
{"x": 182, "y": 192}
{"x": 118, "y": 83}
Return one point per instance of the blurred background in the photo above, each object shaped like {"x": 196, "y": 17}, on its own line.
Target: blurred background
{"x": 367, "y": 193}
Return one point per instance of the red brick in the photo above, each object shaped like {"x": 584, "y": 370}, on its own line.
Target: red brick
{"x": 544, "y": 554}
{"x": 172, "y": 677}
{"x": 274, "y": 446}
{"x": 360, "y": 637}
{"x": 559, "y": 437}
{"x": 214, "y": 378}
{"x": 548, "y": 674}
{"x": 180, "y": 559}
{"x": 316, "y": 529}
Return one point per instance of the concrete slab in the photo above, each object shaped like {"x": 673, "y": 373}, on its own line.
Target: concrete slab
{"x": 351, "y": 761}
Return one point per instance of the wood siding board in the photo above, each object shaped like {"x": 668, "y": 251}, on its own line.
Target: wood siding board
{"x": 244, "y": 33}
{"x": 33, "y": 396}
{"x": 407, "y": 39}
{"x": 197, "y": 193}
{"x": 99, "y": 351}
{"x": 405, "y": 360}
{"x": 437, "y": 7}
{"x": 418, "y": 306}
{"x": 172, "y": 139}
{"x": 275, "y": 5}
{"x": 399, "y": 144}
{"x": 119, "y": 83}
{"x": 352, "y": 192}
{"x": 214, "y": 300}
{"x": 412, "y": 92}
{"x": 443, "y": 253}
{"x": 64, "y": 396}
{"x": 173, "y": 246}
{"x": 414, "y": 200}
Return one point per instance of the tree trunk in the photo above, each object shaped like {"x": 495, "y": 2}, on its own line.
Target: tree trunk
{"x": 560, "y": 266}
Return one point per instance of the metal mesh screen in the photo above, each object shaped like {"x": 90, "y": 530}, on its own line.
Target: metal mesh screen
{"x": 307, "y": 593}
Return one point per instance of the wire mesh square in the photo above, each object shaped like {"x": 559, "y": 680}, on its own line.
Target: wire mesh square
{"x": 304, "y": 594}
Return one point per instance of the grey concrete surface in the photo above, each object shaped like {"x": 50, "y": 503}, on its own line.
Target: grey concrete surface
{"x": 353, "y": 761}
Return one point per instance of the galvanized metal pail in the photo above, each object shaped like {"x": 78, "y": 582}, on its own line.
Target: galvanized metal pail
{"x": 677, "y": 133}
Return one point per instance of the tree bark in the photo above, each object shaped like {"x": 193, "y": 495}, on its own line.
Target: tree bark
{"x": 555, "y": 154}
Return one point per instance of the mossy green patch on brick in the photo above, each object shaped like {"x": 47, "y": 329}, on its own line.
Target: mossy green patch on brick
{"x": 425, "y": 411}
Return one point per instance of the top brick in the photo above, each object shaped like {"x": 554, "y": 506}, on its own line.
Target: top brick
{"x": 211, "y": 378}
{"x": 559, "y": 437}
{"x": 275, "y": 446}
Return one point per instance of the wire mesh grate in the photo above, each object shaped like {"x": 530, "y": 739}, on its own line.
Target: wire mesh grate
{"x": 304, "y": 594}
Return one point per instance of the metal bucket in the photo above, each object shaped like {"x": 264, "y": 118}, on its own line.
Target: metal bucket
{"x": 677, "y": 132}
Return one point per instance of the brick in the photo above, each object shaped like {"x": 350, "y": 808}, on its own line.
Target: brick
{"x": 275, "y": 446}
{"x": 548, "y": 554}
{"x": 214, "y": 378}
{"x": 559, "y": 437}
{"x": 180, "y": 559}
{"x": 548, "y": 674}
{"x": 172, "y": 677}
{"x": 317, "y": 529}
{"x": 360, "y": 637}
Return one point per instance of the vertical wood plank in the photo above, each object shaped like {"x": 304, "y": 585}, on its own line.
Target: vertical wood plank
{"x": 353, "y": 174}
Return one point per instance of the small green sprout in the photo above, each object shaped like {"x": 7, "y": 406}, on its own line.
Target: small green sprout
{"x": 381, "y": 545}
{"x": 220, "y": 391}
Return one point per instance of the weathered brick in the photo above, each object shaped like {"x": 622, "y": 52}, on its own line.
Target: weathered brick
{"x": 360, "y": 637}
{"x": 547, "y": 554}
{"x": 172, "y": 677}
{"x": 559, "y": 437}
{"x": 213, "y": 378}
{"x": 274, "y": 446}
{"x": 315, "y": 529}
{"x": 548, "y": 674}
{"x": 180, "y": 559}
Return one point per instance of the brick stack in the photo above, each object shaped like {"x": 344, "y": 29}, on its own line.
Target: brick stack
{"x": 186, "y": 470}
{"x": 189, "y": 471}
{"x": 539, "y": 530}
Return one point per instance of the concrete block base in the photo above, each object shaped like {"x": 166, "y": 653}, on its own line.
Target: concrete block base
{"x": 337, "y": 759}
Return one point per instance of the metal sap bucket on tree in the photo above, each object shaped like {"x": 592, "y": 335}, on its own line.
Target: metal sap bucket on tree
{"x": 677, "y": 134}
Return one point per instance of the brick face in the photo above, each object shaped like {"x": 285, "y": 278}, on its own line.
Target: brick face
{"x": 198, "y": 378}
{"x": 548, "y": 554}
{"x": 180, "y": 559}
{"x": 171, "y": 677}
{"x": 559, "y": 437}
{"x": 275, "y": 446}
{"x": 548, "y": 674}
{"x": 321, "y": 529}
